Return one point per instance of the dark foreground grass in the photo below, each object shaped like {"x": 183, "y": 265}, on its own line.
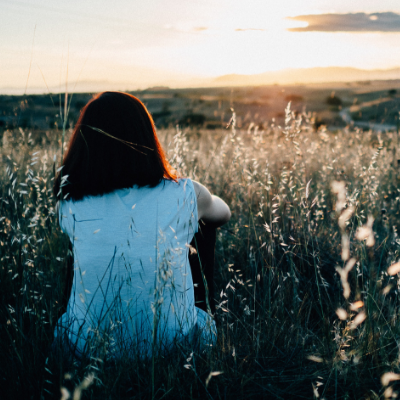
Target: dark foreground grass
{"x": 285, "y": 329}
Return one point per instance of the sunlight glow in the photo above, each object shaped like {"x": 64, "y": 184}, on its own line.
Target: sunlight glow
{"x": 182, "y": 43}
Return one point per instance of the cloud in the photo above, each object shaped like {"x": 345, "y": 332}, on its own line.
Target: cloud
{"x": 185, "y": 27}
{"x": 358, "y": 22}
{"x": 249, "y": 29}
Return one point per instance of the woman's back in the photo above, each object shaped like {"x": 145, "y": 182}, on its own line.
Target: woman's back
{"x": 132, "y": 279}
{"x": 130, "y": 219}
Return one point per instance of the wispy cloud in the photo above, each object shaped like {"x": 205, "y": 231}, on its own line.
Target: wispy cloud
{"x": 358, "y": 22}
{"x": 249, "y": 29}
{"x": 200, "y": 28}
{"x": 186, "y": 27}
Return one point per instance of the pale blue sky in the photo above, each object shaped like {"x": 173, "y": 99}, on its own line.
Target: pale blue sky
{"x": 133, "y": 44}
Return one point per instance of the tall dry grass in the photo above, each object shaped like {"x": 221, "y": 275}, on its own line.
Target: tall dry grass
{"x": 306, "y": 304}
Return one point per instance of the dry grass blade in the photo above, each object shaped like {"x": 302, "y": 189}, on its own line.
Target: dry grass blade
{"x": 129, "y": 144}
{"x": 86, "y": 382}
{"x": 274, "y": 309}
{"x": 211, "y": 374}
{"x": 345, "y": 247}
{"x": 315, "y": 392}
{"x": 345, "y": 216}
{"x": 344, "y": 272}
{"x": 386, "y": 290}
{"x": 360, "y": 318}
{"x": 388, "y": 393}
{"x": 65, "y": 394}
{"x": 316, "y": 359}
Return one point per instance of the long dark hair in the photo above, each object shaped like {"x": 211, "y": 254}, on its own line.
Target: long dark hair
{"x": 114, "y": 145}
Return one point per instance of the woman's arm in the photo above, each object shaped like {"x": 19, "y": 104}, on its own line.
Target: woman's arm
{"x": 210, "y": 208}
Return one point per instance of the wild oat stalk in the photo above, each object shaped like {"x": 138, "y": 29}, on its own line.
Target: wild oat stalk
{"x": 288, "y": 279}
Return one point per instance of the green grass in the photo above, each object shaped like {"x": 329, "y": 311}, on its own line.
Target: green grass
{"x": 277, "y": 284}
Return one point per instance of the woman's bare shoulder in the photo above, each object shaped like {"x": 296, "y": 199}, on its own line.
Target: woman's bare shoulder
{"x": 210, "y": 208}
{"x": 200, "y": 189}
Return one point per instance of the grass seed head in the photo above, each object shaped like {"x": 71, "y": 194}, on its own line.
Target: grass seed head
{"x": 394, "y": 269}
{"x": 342, "y": 314}
{"x": 389, "y": 377}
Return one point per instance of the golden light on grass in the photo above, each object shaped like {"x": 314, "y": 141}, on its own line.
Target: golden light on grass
{"x": 291, "y": 218}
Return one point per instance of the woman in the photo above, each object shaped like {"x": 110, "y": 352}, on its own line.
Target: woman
{"x": 130, "y": 220}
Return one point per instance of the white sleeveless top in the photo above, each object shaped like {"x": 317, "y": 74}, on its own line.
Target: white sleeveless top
{"x": 132, "y": 279}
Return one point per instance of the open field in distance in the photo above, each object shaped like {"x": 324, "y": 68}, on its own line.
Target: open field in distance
{"x": 369, "y": 104}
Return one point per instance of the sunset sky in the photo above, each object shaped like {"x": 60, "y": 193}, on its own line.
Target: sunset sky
{"x": 129, "y": 44}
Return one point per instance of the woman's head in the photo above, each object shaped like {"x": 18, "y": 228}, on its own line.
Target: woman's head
{"x": 114, "y": 145}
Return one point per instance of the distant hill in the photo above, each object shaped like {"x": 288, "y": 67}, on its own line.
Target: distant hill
{"x": 291, "y": 76}
{"x": 307, "y": 75}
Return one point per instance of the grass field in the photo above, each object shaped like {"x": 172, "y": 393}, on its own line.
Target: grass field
{"x": 306, "y": 304}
